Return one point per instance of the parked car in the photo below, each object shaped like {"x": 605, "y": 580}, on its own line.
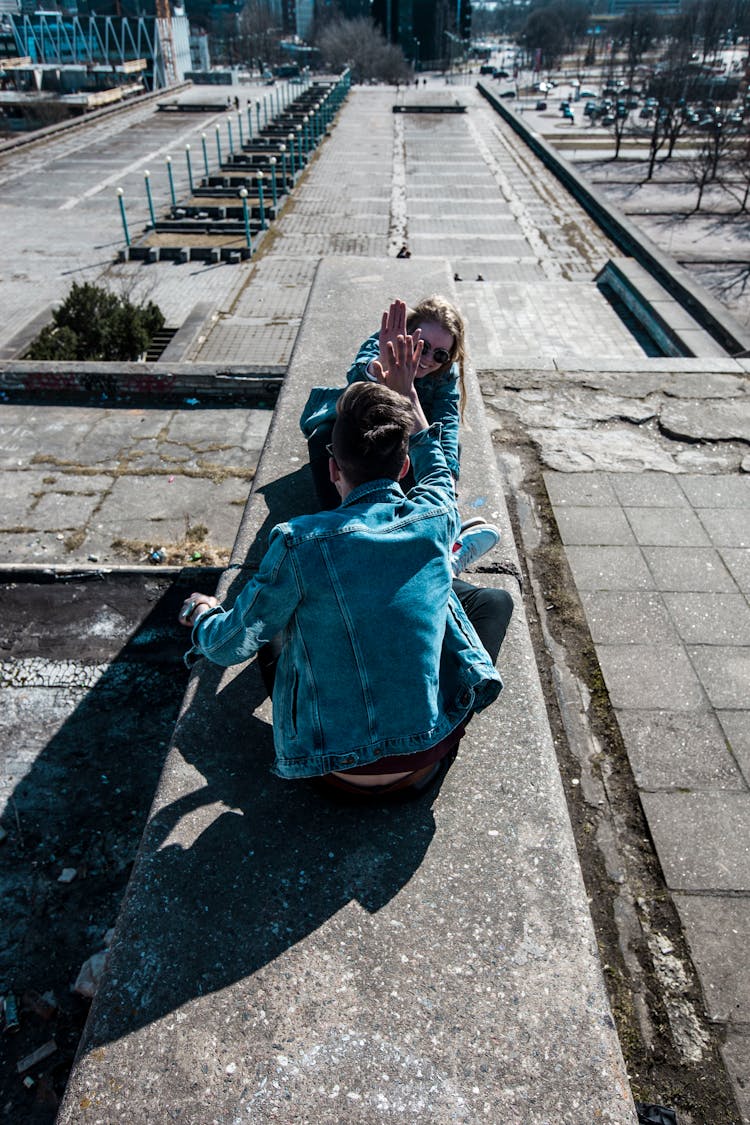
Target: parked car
{"x": 590, "y": 109}
{"x": 588, "y": 94}
{"x": 608, "y": 119}
{"x": 540, "y": 106}
{"x": 508, "y": 94}
{"x": 500, "y": 73}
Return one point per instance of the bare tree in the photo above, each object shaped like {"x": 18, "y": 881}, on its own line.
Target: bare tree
{"x": 718, "y": 142}
{"x": 259, "y": 34}
{"x": 737, "y": 180}
{"x": 360, "y": 46}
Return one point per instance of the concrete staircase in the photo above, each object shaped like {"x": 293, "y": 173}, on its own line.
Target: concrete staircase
{"x": 283, "y": 957}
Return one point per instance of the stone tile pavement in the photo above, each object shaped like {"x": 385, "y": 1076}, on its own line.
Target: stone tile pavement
{"x": 110, "y": 485}
{"x": 662, "y": 566}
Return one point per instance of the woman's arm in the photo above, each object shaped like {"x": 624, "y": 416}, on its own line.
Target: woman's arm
{"x": 442, "y": 405}
{"x": 369, "y": 351}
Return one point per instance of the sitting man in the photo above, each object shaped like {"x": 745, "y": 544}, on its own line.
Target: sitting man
{"x": 374, "y": 657}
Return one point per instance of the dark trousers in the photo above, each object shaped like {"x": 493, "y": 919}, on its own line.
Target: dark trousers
{"x": 328, "y": 497}
{"x": 489, "y": 611}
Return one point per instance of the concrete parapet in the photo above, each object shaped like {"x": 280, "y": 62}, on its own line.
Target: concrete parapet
{"x": 705, "y": 309}
{"x": 163, "y": 381}
{"x": 281, "y": 956}
{"x": 663, "y": 318}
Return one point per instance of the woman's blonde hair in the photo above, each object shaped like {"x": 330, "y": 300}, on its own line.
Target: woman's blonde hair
{"x": 437, "y": 310}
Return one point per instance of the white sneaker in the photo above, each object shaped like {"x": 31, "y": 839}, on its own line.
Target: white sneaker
{"x": 474, "y": 543}
{"x": 472, "y": 521}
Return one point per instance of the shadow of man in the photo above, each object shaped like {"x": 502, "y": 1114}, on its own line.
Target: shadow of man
{"x": 236, "y": 865}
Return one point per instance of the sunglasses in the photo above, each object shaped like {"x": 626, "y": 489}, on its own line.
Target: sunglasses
{"x": 440, "y": 355}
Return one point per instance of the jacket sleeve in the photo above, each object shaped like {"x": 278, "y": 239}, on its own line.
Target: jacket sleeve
{"x": 369, "y": 350}
{"x": 444, "y": 409}
{"x": 434, "y": 483}
{"x": 261, "y": 610}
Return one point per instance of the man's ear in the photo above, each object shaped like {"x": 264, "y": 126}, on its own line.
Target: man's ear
{"x": 405, "y": 467}
{"x": 334, "y": 472}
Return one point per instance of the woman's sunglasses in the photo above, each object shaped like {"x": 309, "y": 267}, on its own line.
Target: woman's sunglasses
{"x": 440, "y": 355}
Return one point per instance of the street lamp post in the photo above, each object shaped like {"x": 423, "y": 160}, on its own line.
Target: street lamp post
{"x": 189, "y": 168}
{"x": 121, "y": 201}
{"x": 171, "y": 181}
{"x": 272, "y": 163}
{"x": 147, "y": 181}
{"x": 261, "y": 205}
{"x": 246, "y": 217}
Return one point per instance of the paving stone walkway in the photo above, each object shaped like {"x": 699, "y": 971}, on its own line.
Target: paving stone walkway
{"x": 662, "y": 566}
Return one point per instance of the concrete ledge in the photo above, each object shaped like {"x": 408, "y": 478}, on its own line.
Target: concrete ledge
{"x": 188, "y": 332}
{"x": 23, "y": 340}
{"x": 668, "y": 324}
{"x": 80, "y": 122}
{"x": 708, "y": 312}
{"x": 438, "y": 108}
{"x": 280, "y": 956}
{"x": 163, "y": 380}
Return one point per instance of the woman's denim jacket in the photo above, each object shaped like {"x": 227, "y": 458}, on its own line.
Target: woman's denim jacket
{"x": 437, "y": 393}
{"x": 378, "y": 656}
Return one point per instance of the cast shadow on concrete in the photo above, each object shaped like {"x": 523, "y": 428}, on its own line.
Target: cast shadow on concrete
{"x": 97, "y": 756}
{"x": 235, "y": 871}
{"x": 285, "y": 497}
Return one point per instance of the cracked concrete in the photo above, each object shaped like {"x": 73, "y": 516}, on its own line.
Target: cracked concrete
{"x": 108, "y": 485}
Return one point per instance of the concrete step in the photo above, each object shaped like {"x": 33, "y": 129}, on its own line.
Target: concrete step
{"x": 280, "y": 956}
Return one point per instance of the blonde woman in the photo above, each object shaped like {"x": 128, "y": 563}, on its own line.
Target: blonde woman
{"x": 439, "y": 384}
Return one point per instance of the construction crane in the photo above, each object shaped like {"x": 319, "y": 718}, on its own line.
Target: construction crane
{"x": 166, "y": 39}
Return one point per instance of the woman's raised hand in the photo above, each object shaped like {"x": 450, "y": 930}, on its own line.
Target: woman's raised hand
{"x": 403, "y": 363}
{"x": 392, "y": 325}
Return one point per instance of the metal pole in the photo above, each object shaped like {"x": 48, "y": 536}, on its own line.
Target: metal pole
{"x": 290, "y": 138}
{"x": 260, "y": 202}
{"x": 272, "y": 162}
{"x": 147, "y": 181}
{"x": 282, "y": 150}
{"x": 300, "y": 155}
{"x": 218, "y": 143}
{"x": 239, "y": 125}
{"x": 265, "y": 111}
{"x": 121, "y": 201}
{"x": 257, "y": 114}
{"x": 246, "y": 217}
{"x": 189, "y": 168}
{"x": 171, "y": 181}
{"x": 250, "y": 121}
{"x": 231, "y": 139}
{"x": 205, "y": 152}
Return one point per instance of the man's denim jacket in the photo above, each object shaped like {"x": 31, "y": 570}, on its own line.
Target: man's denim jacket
{"x": 378, "y": 655}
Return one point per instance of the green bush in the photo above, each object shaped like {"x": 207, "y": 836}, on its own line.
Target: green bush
{"x": 94, "y": 324}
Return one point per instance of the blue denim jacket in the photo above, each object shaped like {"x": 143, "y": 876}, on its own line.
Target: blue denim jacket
{"x": 438, "y": 394}
{"x": 378, "y": 655}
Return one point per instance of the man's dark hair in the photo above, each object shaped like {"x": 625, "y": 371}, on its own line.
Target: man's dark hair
{"x": 371, "y": 432}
